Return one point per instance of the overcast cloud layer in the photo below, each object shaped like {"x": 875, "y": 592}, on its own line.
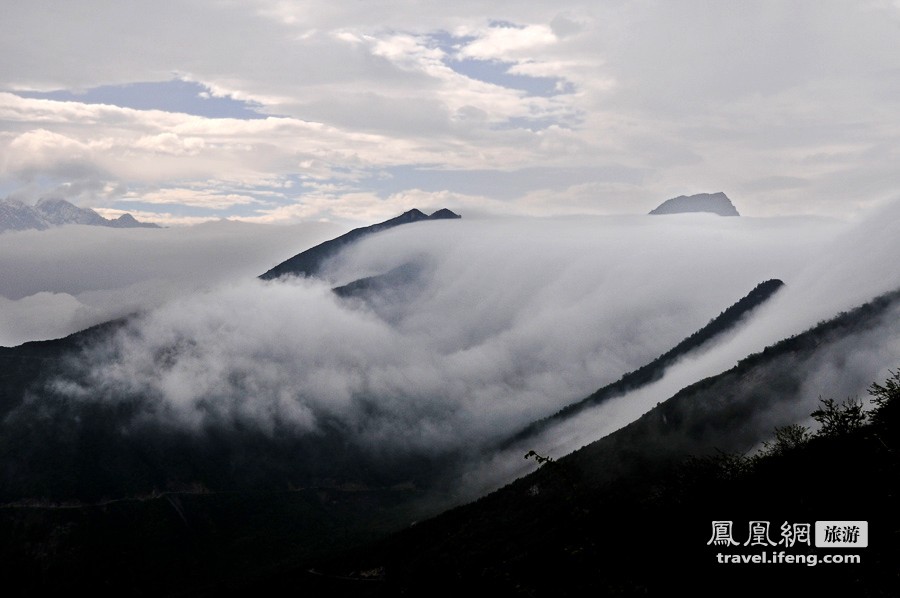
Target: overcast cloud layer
{"x": 280, "y": 111}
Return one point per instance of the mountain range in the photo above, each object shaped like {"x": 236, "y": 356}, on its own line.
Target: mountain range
{"x": 631, "y": 514}
{"x": 48, "y": 212}
{"x": 653, "y": 371}
{"x": 95, "y": 493}
{"x": 311, "y": 261}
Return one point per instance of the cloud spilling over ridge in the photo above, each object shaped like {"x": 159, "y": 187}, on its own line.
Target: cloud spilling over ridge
{"x": 845, "y": 268}
{"x": 55, "y": 282}
{"x": 838, "y": 370}
{"x": 516, "y": 318}
{"x": 509, "y": 321}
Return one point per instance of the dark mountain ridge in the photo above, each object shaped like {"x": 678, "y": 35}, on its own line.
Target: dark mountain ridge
{"x": 655, "y": 370}
{"x": 630, "y": 514}
{"x": 92, "y": 500}
{"x": 56, "y": 449}
{"x": 392, "y": 281}
{"x": 227, "y": 459}
{"x": 310, "y": 262}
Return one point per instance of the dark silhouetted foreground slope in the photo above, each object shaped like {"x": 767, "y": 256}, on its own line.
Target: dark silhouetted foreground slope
{"x": 621, "y": 516}
{"x": 648, "y": 533}
{"x": 632, "y": 514}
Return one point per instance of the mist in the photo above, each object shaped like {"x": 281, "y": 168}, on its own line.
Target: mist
{"x": 846, "y": 267}
{"x": 840, "y": 370}
{"x": 506, "y": 322}
{"x": 58, "y": 281}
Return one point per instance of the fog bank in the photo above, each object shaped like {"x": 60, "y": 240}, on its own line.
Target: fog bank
{"x": 508, "y": 321}
{"x": 57, "y": 281}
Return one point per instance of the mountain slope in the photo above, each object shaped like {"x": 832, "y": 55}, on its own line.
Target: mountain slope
{"x": 596, "y": 519}
{"x": 394, "y": 280}
{"x": 309, "y": 262}
{"x": 15, "y": 215}
{"x": 715, "y": 203}
{"x": 626, "y": 516}
{"x": 654, "y": 370}
{"x": 151, "y": 455}
{"x": 600, "y": 519}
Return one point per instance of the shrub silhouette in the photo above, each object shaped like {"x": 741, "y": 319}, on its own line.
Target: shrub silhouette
{"x": 787, "y": 439}
{"x": 838, "y": 419}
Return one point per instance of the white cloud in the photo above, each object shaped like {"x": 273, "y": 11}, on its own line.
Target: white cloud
{"x": 170, "y": 143}
{"x": 40, "y": 150}
{"x": 191, "y": 197}
{"x": 700, "y": 96}
{"x": 506, "y": 43}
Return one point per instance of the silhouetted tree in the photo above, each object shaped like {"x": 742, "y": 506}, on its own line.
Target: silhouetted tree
{"x": 839, "y": 418}
{"x": 787, "y": 439}
{"x": 884, "y": 397}
{"x": 540, "y": 460}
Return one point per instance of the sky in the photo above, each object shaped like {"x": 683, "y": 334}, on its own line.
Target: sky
{"x": 279, "y": 111}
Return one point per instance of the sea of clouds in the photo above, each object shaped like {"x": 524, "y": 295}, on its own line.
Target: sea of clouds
{"x": 508, "y": 320}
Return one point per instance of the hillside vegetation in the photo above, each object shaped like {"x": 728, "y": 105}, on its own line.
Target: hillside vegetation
{"x": 557, "y": 533}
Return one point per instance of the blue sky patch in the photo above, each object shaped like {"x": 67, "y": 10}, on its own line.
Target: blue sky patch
{"x": 494, "y": 71}
{"x": 449, "y": 43}
{"x": 186, "y": 97}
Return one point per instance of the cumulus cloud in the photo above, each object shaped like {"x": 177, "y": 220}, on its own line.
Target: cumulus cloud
{"x": 170, "y": 143}
{"x": 505, "y": 42}
{"x": 42, "y": 152}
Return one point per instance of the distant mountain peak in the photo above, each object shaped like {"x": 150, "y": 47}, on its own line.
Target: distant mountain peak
{"x": 443, "y": 213}
{"x": 714, "y": 203}
{"x": 51, "y": 201}
{"x": 128, "y": 221}
{"x": 415, "y": 215}
{"x": 53, "y": 211}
